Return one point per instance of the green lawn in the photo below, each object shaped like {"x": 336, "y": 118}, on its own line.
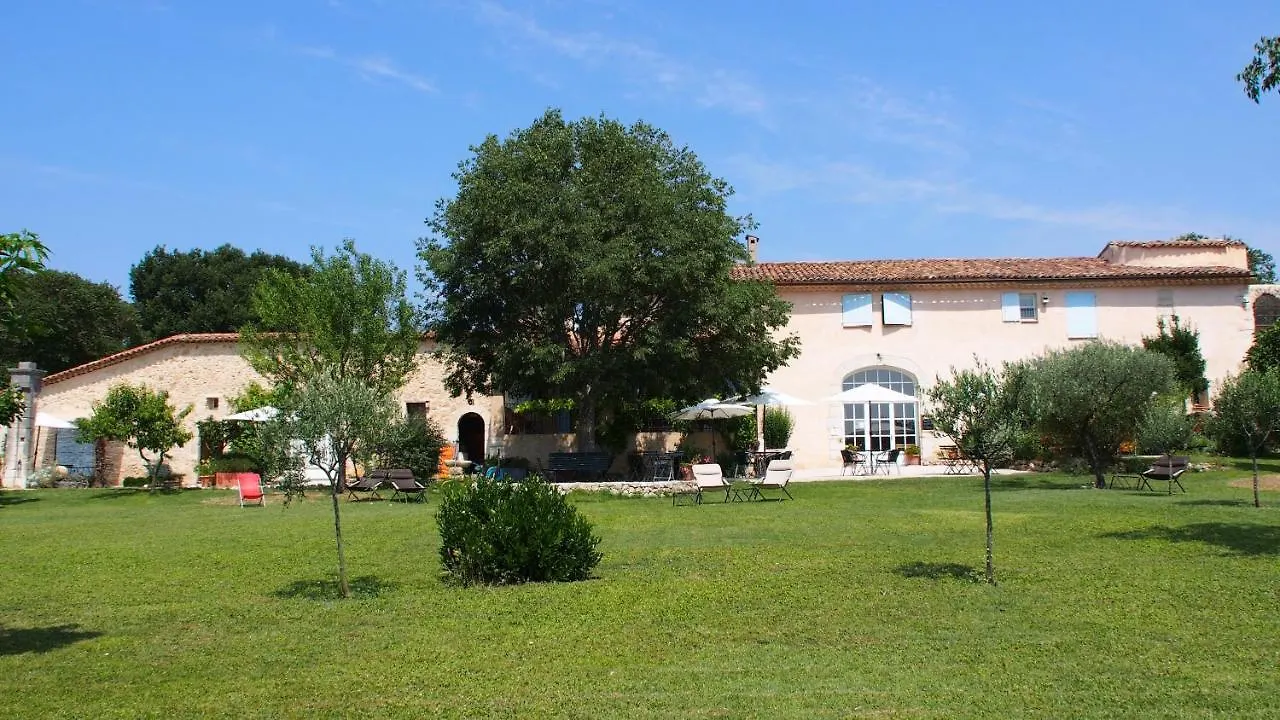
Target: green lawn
{"x": 854, "y": 600}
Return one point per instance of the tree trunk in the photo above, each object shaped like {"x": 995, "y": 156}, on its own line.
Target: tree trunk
{"x": 986, "y": 488}
{"x": 1095, "y": 464}
{"x": 343, "y": 588}
{"x": 152, "y": 471}
{"x": 586, "y": 435}
{"x": 1256, "y": 502}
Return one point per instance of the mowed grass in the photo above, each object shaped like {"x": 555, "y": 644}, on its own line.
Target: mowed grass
{"x": 855, "y": 600}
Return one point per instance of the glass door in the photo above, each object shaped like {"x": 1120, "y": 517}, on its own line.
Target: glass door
{"x": 855, "y": 425}
{"x": 880, "y": 427}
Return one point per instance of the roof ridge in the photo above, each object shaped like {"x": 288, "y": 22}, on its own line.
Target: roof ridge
{"x": 119, "y": 357}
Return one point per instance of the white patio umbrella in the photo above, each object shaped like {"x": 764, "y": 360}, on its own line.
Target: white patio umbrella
{"x": 54, "y": 423}
{"x": 712, "y": 409}
{"x": 769, "y": 395}
{"x": 265, "y": 413}
{"x": 871, "y": 393}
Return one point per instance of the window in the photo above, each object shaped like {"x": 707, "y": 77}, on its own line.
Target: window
{"x": 1266, "y": 310}
{"x": 879, "y": 426}
{"x": 856, "y": 310}
{"x": 416, "y": 409}
{"x": 1164, "y": 303}
{"x": 1019, "y": 307}
{"x": 1082, "y": 315}
{"x": 895, "y": 308}
{"x": 211, "y": 403}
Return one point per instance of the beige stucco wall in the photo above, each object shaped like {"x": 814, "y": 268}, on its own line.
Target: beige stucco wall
{"x": 1178, "y": 255}
{"x": 951, "y": 326}
{"x": 194, "y": 372}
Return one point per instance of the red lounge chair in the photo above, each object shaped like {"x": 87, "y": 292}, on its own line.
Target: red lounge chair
{"x": 250, "y": 487}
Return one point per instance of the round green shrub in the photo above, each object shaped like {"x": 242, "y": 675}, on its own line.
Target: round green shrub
{"x": 498, "y": 532}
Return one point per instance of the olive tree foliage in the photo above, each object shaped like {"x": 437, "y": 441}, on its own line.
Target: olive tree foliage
{"x": 982, "y": 411}
{"x": 1166, "y": 427}
{"x": 1246, "y": 413}
{"x": 332, "y": 419}
{"x": 1264, "y": 354}
{"x": 21, "y": 253}
{"x": 1262, "y": 74}
{"x": 143, "y": 419}
{"x": 1089, "y": 399}
{"x": 350, "y": 316}
{"x": 591, "y": 261}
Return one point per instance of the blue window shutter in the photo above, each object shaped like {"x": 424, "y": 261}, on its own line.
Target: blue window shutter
{"x": 856, "y": 310}
{"x": 897, "y": 308}
{"x": 1082, "y": 315}
{"x": 1009, "y": 307}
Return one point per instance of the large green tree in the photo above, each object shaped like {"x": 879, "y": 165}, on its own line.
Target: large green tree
{"x": 590, "y": 261}
{"x": 200, "y": 291}
{"x": 1262, "y": 74}
{"x": 1181, "y": 344}
{"x": 983, "y": 411}
{"x": 354, "y": 342}
{"x": 143, "y": 419}
{"x": 1246, "y": 414}
{"x": 61, "y": 320}
{"x": 20, "y": 253}
{"x": 1089, "y": 399}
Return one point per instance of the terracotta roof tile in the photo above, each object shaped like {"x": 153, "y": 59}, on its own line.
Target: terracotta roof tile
{"x": 1215, "y": 242}
{"x": 881, "y": 272}
{"x": 141, "y": 350}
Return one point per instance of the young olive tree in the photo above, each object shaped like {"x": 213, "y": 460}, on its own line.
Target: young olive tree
{"x": 1166, "y": 427}
{"x": 981, "y": 410}
{"x": 592, "y": 261}
{"x": 143, "y": 419}
{"x": 334, "y": 420}
{"x": 1089, "y": 399}
{"x": 1246, "y": 413}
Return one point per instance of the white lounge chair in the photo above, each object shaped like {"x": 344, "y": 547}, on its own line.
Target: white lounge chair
{"x": 707, "y": 477}
{"x": 775, "y": 478}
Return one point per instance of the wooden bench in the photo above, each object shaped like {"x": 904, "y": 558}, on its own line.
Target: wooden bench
{"x": 578, "y": 466}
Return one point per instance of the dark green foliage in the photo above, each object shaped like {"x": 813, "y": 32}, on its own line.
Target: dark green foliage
{"x": 1262, "y": 265}
{"x": 1262, "y": 74}
{"x": 413, "y": 442}
{"x": 1246, "y": 415}
{"x": 61, "y": 320}
{"x": 739, "y": 432}
{"x": 1181, "y": 344}
{"x": 140, "y": 417}
{"x": 591, "y": 260}
{"x": 1264, "y": 353}
{"x": 778, "y": 424}
{"x": 1166, "y": 428}
{"x": 200, "y": 291}
{"x": 20, "y": 253}
{"x": 12, "y": 403}
{"x": 497, "y": 533}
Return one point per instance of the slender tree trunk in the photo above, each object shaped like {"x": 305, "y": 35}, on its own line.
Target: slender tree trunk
{"x": 152, "y": 471}
{"x": 337, "y": 527}
{"x": 1095, "y": 464}
{"x": 1256, "y": 501}
{"x": 586, "y": 435}
{"x": 986, "y": 488}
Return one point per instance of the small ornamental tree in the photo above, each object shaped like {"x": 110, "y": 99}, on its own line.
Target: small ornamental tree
{"x": 981, "y": 410}
{"x": 1181, "y": 344}
{"x": 1166, "y": 428}
{"x": 1246, "y": 413}
{"x": 143, "y": 419}
{"x": 1089, "y": 399}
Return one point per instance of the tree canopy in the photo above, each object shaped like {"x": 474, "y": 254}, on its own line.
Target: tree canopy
{"x": 1246, "y": 415}
{"x": 1181, "y": 344}
{"x": 1089, "y": 399}
{"x": 140, "y": 417}
{"x": 1262, "y": 74}
{"x": 61, "y": 320}
{"x": 20, "y": 253}
{"x": 1264, "y": 353}
{"x": 200, "y": 291}
{"x": 349, "y": 317}
{"x": 591, "y": 261}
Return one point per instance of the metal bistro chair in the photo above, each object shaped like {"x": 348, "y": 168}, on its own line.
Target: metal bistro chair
{"x": 887, "y": 460}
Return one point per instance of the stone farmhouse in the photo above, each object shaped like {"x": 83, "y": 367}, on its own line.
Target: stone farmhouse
{"x": 894, "y": 323}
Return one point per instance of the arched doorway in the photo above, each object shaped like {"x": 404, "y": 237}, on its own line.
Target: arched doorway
{"x": 879, "y": 426}
{"x": 1266, "y": 310}
{"x": 471, "y": 437}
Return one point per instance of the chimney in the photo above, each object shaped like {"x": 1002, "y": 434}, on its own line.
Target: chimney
{"x": 753, "y": 247}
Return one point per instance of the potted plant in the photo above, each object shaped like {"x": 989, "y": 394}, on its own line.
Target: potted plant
{"x": 205, "y": 472}
{"x": 913, "y": 454}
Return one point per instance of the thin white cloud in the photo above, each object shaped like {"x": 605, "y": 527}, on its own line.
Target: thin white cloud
{"x": 372, "y": 67}
{"x": 709, "y": 87}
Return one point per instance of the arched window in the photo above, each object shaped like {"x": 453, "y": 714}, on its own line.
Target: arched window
{"x": 879, "y": 424}
{"x": 1266, "y": 310}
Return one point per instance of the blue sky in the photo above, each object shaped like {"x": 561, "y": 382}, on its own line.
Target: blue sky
{"x": 850, "y": 130}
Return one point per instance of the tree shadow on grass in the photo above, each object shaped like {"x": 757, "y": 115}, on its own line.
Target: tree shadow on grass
{"x": 9, "y": 498}
{"x": 16, "y": 641}
{"x": 1265, "y": 465}
{"x": 365, "y": 586}
{"x": 1217, "y": 503}
{"x": 1023, "y": 482}
{"x": 939, "y": 571}
{"x": 1237, "y": 538}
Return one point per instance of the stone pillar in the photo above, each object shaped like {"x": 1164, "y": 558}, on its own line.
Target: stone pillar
{"x": 20, "y": 448}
